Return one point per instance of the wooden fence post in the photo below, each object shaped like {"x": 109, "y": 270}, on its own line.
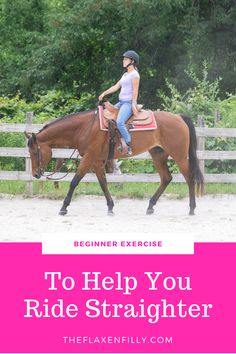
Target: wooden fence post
{"x": 201, "y": 143}
{"x": 29, "y": 185}
{"x": 217, "y": 117}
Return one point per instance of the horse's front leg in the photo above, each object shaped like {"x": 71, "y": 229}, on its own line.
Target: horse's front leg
{"x": 84, "y": 167}
{"x": 101, "y": 176}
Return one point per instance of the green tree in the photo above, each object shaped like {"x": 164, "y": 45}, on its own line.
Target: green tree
{"x": 21, "y": 31}
{"x": 63, "y": 44}
{"x": 211, "y": 37}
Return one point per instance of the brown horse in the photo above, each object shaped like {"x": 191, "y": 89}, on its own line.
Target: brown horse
{"x": 175, "y": 137}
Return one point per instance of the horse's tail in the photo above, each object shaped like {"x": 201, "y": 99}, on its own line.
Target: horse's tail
{"x": 196, "y": 175}
{"x": 112, "y": 139}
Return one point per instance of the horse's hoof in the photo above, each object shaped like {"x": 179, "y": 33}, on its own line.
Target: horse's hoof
{"x": 149, "y": 211}
{"x": 63, "y": 212}
{"x": 110, "y": 213}
{"x": 191, "y": 212}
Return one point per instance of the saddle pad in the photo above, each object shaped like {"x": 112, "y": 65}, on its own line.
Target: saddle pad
{"x": 133, "y": 126}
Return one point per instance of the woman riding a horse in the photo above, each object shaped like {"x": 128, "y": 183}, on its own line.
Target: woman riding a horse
{"x": 173, "y": 136}
{"x": 129, "y": 85}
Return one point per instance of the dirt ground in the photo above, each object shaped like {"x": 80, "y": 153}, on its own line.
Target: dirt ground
{"x": 24, "y": 220}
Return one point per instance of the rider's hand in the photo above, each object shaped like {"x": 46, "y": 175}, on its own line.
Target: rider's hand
{"x": 101, "y": 97}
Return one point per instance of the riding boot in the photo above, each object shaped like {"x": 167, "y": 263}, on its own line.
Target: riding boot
{"x": 129, "y": 151}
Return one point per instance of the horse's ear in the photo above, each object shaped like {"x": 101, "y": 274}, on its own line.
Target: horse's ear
{"x": 27, "y": 135}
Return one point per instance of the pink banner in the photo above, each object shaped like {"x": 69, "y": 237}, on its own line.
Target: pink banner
{"x": 118, "y": 303}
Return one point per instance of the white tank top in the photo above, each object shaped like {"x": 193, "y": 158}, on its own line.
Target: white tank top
{"x": 126, "y": 92}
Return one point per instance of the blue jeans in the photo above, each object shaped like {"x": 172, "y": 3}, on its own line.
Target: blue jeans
{"x": 125, "y": 112}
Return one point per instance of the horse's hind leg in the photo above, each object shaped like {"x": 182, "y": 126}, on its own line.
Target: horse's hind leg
{"x": 184, "y": 169}
{"x": 101, "y": 176}
{"x": 84, "y": 167}
{"x": 160, "y": 158}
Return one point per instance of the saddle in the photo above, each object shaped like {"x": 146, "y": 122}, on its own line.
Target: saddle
{"x": 143, "y": 121}
{"x": 143, "y": 117}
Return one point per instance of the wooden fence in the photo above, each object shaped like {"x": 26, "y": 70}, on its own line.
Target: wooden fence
{"x": 202, "y": 134}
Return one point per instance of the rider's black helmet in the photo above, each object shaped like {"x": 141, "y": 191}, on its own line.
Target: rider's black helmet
{"x": 131, "y": 54}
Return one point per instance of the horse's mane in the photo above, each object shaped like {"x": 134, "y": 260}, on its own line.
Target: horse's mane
{"x": 63, "y": 118}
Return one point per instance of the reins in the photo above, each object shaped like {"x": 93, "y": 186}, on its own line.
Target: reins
{"x": 48, "y": 176}
{"x": 68, "y": 171}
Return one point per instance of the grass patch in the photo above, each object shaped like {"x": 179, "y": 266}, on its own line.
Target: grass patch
{"x": 118, "y": 190}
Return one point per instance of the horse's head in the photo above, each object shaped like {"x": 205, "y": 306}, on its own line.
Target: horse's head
{"x": 40, "y": 154}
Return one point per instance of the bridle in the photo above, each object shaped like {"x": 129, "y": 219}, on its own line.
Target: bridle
{"x": 41, "y": 169}
{"x": 39, "y": 159}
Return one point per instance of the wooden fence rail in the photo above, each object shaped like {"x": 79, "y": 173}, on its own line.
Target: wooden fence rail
{"x": 202, "y": 134}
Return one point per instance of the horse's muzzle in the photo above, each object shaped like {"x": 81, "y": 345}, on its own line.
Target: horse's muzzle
{"x": 36, "y": 175}
{"x": 39, "y": 173}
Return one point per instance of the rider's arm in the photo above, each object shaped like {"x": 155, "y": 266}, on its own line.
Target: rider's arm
{"x": 112, "y": 89}
{"x": 135, "y": 82}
